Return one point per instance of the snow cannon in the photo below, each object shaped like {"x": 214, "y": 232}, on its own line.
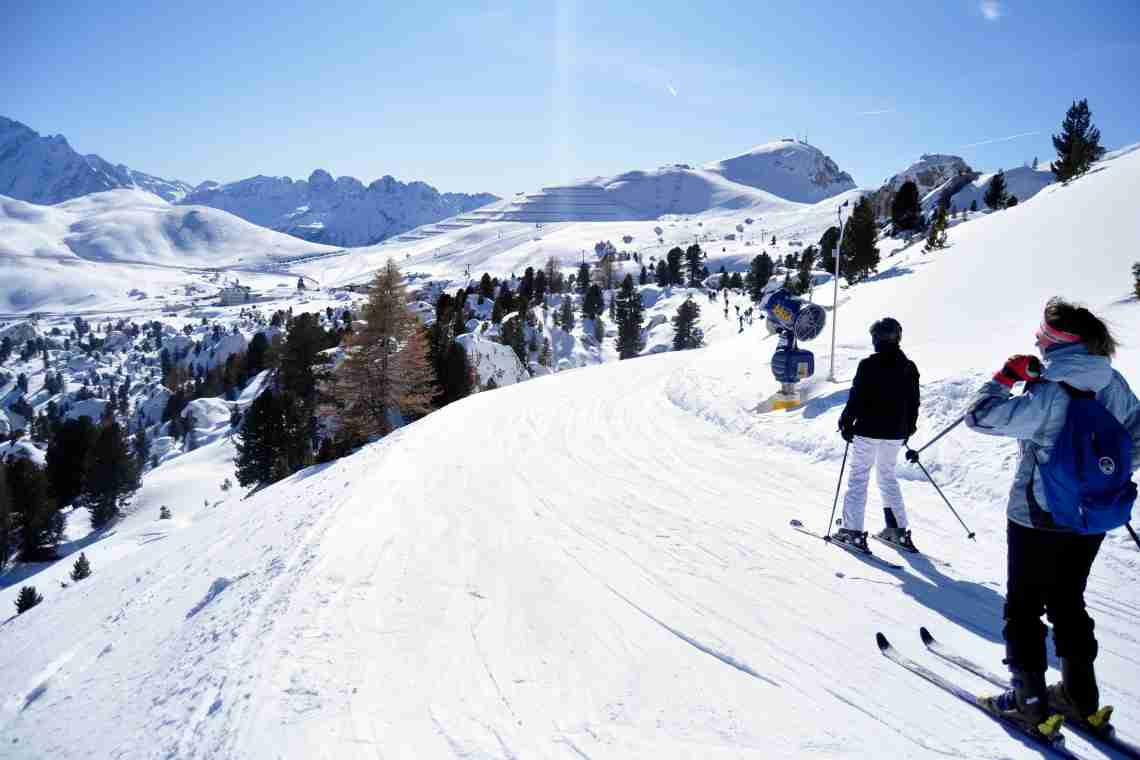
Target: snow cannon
{"x": 786, "y": 313}
{"x": 793, "y": 319}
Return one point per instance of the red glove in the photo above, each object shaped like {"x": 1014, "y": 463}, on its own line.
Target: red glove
{"x": 1019, "y": 368}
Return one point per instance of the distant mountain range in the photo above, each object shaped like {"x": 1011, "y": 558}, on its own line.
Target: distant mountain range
{"x": 342, "y": 212}
{"x": 47, "y": 170}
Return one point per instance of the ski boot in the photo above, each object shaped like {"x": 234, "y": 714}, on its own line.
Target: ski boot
{"x": 853, "y": 538}
{"x": 1077, "y": 696}
{"x": 898, "y": 537}
{"x": 1026, "y": 704}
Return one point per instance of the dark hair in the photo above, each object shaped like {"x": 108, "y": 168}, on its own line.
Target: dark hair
{"x": 1078, "y": 320}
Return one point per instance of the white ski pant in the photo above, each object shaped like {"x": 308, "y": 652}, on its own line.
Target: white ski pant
{"x": 865, "y": 454}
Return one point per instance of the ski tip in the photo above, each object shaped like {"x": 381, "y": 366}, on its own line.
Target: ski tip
{"x": 881, "y": 640}
{"x": 927, "y": 638}
{"x": 797, "y": 524}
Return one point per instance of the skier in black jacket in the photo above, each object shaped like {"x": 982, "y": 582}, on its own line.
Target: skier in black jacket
{"x": 881, "y": 413}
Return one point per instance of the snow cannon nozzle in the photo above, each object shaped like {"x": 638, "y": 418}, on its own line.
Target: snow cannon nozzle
{"x": 787, "y": 313}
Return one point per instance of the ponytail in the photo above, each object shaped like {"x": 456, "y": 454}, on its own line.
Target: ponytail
{"x": 1095, "y": 334}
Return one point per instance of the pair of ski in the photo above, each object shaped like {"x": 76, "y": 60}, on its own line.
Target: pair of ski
{"x": 867, "y": 555}
{"x": 1049, "y": 735}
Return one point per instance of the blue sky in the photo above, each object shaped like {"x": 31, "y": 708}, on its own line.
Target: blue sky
{"x": 506, "y": 97}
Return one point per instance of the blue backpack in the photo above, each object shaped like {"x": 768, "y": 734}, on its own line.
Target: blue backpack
{"x": 1088, "y": 478}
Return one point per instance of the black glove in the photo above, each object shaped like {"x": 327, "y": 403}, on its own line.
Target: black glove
{"x": 848, "y": 432}
{"x": 911, "y": 455}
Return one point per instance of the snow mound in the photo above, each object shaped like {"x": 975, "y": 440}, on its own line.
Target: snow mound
{"x": 491, "y": 360}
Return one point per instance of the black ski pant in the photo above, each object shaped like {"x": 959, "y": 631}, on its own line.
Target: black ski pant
{"x": 1048, "y": 572}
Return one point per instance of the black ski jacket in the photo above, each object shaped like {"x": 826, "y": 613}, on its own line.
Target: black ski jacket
{"x": 883, "y": 402}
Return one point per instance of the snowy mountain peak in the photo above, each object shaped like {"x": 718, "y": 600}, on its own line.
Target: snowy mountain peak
{"x": 930, "y": 171}
{"x": 47, "y": 170}
{"x": 341, "y": 211}
{"x": 790, "y": 169}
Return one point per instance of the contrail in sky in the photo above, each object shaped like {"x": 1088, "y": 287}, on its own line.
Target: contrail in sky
{"x": 1001, "y": 139}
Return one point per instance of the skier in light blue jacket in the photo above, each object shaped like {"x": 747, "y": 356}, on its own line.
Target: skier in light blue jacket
{"x": 1048, "y": 565}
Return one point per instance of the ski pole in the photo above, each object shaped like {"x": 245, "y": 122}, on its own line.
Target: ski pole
{"x": 912, "y": 454}
{"x": 969, "y": 533}
{"x": 1134, "y": 538}
{"x": 835, "y": 503}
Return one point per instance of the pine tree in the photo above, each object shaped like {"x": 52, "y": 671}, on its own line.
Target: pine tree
{"x": 486, "y": 287}
{"x": 456, "y": 380}
{"x": 387, "y": 368}
{"x": 604, "y": 272}
{"x": 301, "y": 351}
{"x": 5, "y": 517}
{"x": 827, "y": 245}
{"x": 643, "y": 278}
{"x": 81, "y": 569}
{"x": 736, "y": 282}
{"x": 1078, "y": 145}
{"x": 629, "y": 316}
{"x": 936, "y": 233}
{"x": 685, "y": 332}
{"x": 906, "y": 209}
{"x": 112, "y": 478}
{"x": 860, "y": 254}
{"x": 164, "y": 513}
{"x": 807, "y": 261}
{"x": 594, "y": 304}
{"x": 67, "y": 459}
{"x": 759, "y": 272}
{"x": 545, "y": 356}
{"x": 260, "y": 440}
{"x": 34, "y": 512}
{"x": 661, "y": 273}
{"x": 567, "y": 317}
{"x": 674, "y": 258}
{"x": 27, "y": 599}
{"x": 583, "y": 277}
{"x": 996, "y": 195}
{"x": 141, "y": 450}
{"x": 526, "y": 287}
{"x": 514, "y": 335}
{"x": 974, "y": 205}
{"x": 540, "y": 286}
{"x": 693, "y": 258}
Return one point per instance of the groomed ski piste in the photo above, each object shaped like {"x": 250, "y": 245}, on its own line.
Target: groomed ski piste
{"x": 598, "y": 563}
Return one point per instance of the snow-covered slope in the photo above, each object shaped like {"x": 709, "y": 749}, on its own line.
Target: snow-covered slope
{"x": 98, "y": 247}
{"x": 776, "y": 175}
{"x": 47, "y": 170}
{"x": 341, "y": 212}
{"x": 599, "y": 564}
{"x": 1021, "y": 181}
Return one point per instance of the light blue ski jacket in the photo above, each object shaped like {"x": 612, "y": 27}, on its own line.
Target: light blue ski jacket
{"x": 1036, "y": 417}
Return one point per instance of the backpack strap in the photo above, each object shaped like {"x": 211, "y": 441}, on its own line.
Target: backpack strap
{"x": 1077, "y": 392}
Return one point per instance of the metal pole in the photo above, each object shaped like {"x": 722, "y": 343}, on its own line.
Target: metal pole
{"x": 842, "y": 467}
{"x": 969, "y": 533}
{"x": 835, "y": 293}
{"x": 950, "y": 427}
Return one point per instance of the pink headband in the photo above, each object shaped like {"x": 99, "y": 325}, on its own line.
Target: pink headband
{"x": 1051, "y": 336}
